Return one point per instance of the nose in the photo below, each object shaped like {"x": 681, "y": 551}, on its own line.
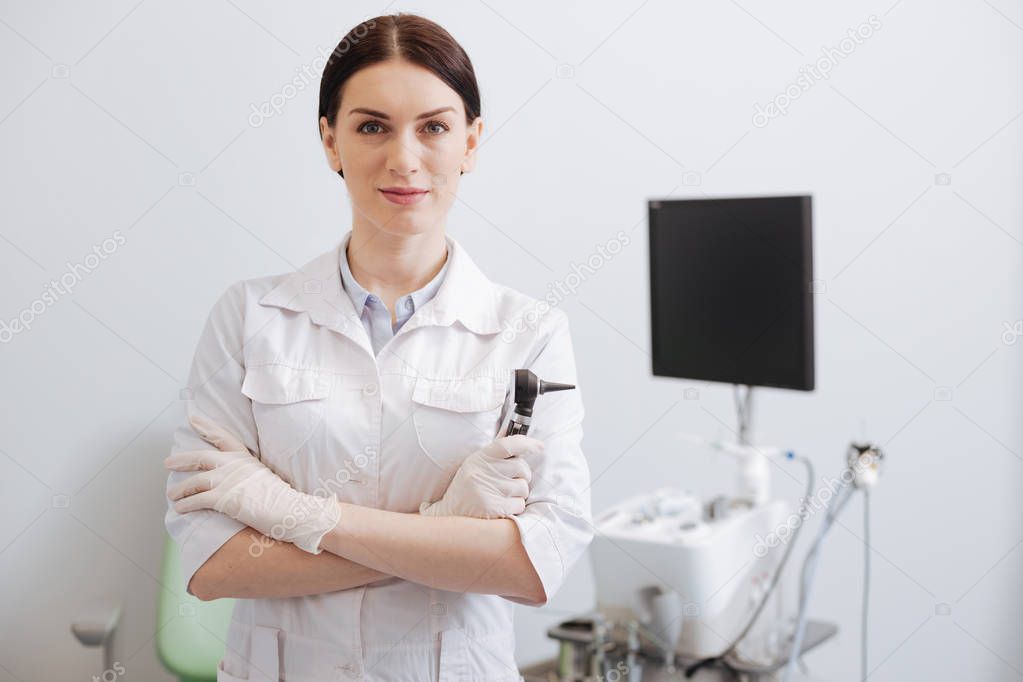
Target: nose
{"x": 402, "y": 156}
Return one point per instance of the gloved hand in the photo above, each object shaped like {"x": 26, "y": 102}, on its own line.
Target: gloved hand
{"x": 491, "y": 483}
{"x": 238, "y": 484}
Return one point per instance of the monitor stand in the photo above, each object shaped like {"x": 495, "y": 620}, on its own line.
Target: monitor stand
{"x": 743, "y": 409}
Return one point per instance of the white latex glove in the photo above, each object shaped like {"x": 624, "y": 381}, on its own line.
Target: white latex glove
{"x": 238, "y": 484}
{"x": 491, "y": 483}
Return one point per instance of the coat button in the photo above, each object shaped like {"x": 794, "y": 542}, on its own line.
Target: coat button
{"x": 350, "y": 670}
{"x": 369, "y": 389}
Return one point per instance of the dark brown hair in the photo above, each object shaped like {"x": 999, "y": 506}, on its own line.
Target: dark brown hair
{"x": 406, "y": 36}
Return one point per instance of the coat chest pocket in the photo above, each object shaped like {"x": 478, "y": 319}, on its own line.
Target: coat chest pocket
{"x": 288, "y": 404}
{"x": 454, "y": 417}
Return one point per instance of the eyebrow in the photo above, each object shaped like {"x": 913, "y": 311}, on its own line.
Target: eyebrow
{"x": 380, "y": 114}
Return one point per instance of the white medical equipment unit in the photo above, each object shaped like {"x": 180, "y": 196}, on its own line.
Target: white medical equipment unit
{"x": 685, "y": 583}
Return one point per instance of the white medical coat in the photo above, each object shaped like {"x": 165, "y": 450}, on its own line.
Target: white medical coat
{"x": 284, "y": 363}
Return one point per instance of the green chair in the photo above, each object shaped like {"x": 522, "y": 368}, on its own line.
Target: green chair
{"x": 192, "y": 643}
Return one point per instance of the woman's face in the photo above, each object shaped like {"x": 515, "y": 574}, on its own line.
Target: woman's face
{"x": 399, "y": 126}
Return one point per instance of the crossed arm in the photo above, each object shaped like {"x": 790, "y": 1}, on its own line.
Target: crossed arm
{"x": 370, "y": 545}
{"x": 462, "y": 542}
{"x": 334, "y": 545}
{"x": 276, "y": 569}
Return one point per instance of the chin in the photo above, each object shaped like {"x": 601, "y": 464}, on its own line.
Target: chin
{"x": 405, "y": 225}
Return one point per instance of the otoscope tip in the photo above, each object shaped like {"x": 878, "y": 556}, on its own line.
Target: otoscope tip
{"x": 548, "y": 386}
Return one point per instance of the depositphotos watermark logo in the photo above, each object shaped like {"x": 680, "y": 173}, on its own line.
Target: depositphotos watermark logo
{"x": 1012, "y": 332}
{"x": 818, "y": 502}
{"x": 111, "y": 674}
{"x": 811, "y": 74}
{"x": 348, "y": 473}
{"x": 305, "y": 76}
{"x": 74, "y": 273}
{"x": 559, "y": 290}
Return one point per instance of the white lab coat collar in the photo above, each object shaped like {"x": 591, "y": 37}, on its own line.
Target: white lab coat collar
{"x": 465, "y": 295}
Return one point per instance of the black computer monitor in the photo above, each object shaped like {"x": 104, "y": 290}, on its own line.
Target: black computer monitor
{"x": 730, "y": 290}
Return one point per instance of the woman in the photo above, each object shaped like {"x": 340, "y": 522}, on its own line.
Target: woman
{"x": 358, "y": 500}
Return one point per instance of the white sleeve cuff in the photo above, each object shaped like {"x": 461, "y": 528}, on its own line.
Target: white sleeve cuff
{"x": 542, "y": 550}
{"x": 199, "y": 534}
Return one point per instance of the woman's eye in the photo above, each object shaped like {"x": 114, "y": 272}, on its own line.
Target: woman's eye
{"x": 374, "y": 128}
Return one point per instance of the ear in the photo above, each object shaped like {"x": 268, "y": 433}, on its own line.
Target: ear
{"x": 330, "y": 147}
{"x": 472, "y": 143}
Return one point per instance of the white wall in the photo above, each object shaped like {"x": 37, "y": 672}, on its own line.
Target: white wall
{"x": 107, "y": 111}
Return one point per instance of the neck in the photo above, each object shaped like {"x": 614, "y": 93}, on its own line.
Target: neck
{"x": 393, "y": 265}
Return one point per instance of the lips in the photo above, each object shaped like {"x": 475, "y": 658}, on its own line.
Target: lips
{"x": 404, "y": 196}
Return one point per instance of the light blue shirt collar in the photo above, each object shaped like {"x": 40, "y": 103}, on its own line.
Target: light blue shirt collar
{"x": 406, "y": 305}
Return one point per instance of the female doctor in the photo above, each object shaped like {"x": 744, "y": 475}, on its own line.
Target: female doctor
{"x": 341, "y": 471}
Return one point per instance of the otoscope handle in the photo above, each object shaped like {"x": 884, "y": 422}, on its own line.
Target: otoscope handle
{"x": 515, "y": 427}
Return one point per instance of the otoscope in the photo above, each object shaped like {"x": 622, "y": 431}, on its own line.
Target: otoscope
{"x": 528, "y": 387}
